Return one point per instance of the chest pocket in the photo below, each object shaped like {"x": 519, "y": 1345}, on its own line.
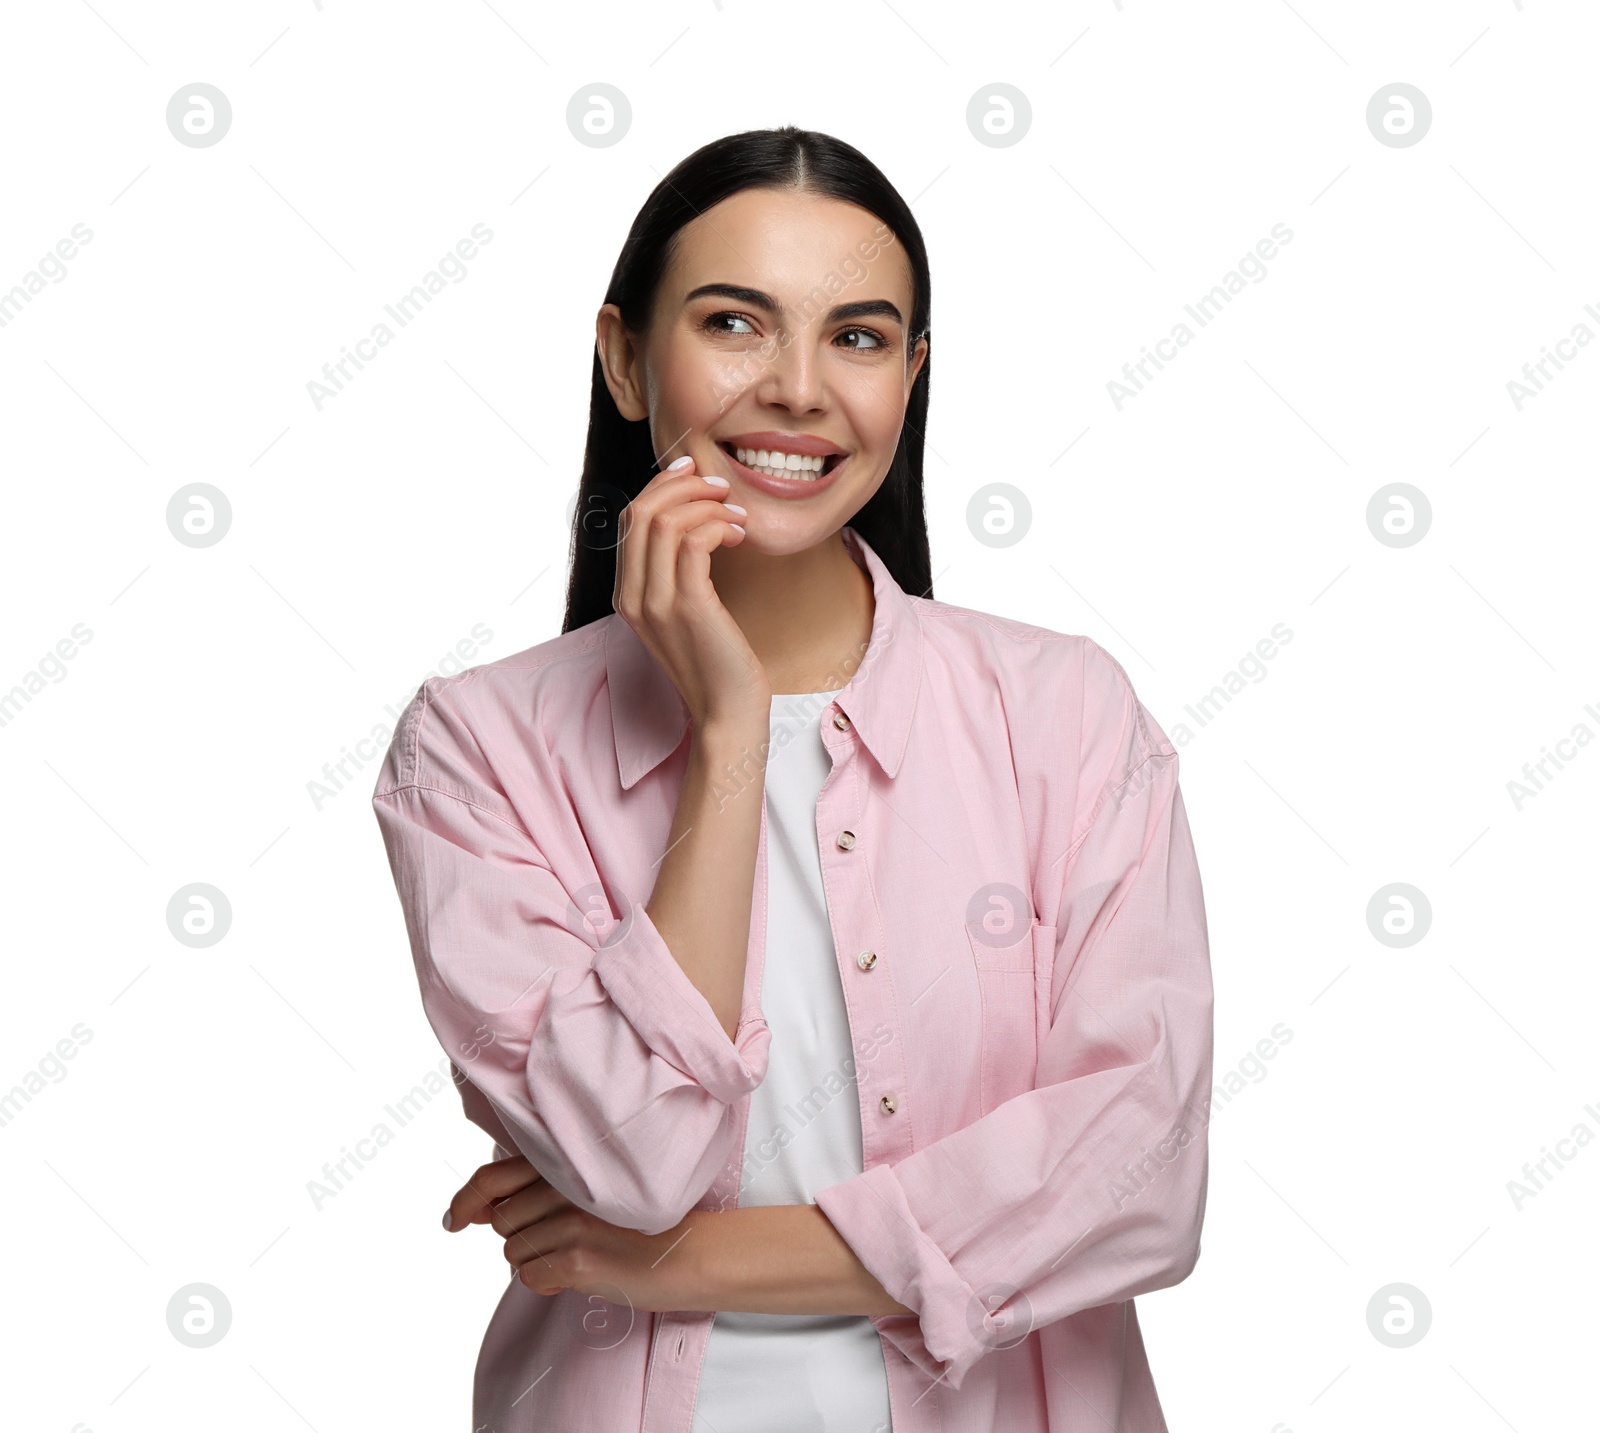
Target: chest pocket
{"x": 1014, "y": 986}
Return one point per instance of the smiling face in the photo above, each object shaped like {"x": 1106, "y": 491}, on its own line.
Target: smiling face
{"x": 777, "y": 357}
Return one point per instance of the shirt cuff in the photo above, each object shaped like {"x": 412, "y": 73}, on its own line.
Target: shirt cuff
{"x": 646, "y": 983}
{"x": 872, "y": 1217}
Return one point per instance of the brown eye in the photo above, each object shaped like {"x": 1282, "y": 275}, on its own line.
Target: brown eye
{"x": 712, "y": 323}
{"x": 876, "y": 340}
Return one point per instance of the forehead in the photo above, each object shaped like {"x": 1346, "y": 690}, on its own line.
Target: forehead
{"x": 787, "y": 242}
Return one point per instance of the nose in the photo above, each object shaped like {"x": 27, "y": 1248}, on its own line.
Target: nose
{"x": 792, "y": 378}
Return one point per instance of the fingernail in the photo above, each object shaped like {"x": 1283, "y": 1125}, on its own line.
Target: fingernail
{"x": 677, "y": 463}
{"x": 734, "y": 507}
{"x": 449, "y": 1222}
{"x": 735, "y": 526}
{"x": 717, "y": 482}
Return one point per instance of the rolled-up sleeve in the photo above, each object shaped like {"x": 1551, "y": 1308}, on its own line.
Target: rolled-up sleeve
{"x": 1089, "y": 1188}
{"x": 599, "y": 1056}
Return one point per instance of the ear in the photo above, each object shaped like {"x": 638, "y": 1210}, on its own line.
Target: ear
{"x": 918, "y": 356}
{"x": 619, "y": 357}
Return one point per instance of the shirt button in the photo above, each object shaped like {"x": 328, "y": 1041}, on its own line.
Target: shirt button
{"x": 867, "y": 959}
{"x": 887, "y": 1104}
{"x": 840, "y": 720}
{"x": 847, "y": 839}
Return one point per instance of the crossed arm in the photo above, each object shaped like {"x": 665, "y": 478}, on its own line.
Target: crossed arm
{"x": 770, "y": 1259}
{"x": 1114, "y": 1130}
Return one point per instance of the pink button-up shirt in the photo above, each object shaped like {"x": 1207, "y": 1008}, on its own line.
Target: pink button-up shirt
{"x": 1021, "y": 940}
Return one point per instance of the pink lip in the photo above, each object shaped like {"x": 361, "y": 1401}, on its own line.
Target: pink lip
{"x": 803, "y": 443}
{"x": 783, "y": 487}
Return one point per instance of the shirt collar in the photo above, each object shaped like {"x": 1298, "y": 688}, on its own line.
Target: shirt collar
{"x": 649, "y": 719}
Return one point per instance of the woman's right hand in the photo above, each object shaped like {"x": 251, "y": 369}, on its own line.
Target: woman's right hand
{"x": 665, "y": 593}
{"x": 477, "y": 1200}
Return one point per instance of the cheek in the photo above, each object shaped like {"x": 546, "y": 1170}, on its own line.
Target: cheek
{"x": 694, "y": 386}
{"x": 876, "y": 406}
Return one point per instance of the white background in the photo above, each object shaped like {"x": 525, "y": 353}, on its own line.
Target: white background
{"x": 370, "y": 537}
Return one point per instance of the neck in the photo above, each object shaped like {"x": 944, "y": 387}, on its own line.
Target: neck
{"x": 806, "y": 615}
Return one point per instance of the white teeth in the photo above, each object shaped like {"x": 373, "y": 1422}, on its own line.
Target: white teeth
{"x": 780, "y": 464}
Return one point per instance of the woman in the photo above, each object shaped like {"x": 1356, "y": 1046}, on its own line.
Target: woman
{"x": 828, "y": 963}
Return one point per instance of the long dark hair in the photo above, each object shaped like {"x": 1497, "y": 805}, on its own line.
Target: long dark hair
{"x": 619, "y": 460}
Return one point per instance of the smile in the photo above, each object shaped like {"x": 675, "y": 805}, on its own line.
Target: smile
{"x": 775, "y": 463}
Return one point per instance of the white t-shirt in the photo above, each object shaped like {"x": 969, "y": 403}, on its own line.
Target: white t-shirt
{"x": 797, "y": 1373}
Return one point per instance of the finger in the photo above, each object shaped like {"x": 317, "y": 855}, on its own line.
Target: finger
{"x": 636, "y": 519}
{"x": 719, "y": 523}
{"x": 520, "y": 1212}
{"x": 474, "y": 1202}
{"x": 692, "y": 576}
{"x": 638, "y": 553}
{"x": 541, "y": 1243}
{"x": 669, "y": 581}
{"x": 536, "y": 1279}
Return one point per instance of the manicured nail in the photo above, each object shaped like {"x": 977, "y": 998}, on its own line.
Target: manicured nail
{"x": 735, "y": 526}
{"x": 677, "y": 463}
{"x": 734, "y": 507}
{"x": 449, "y": 1222}
{"x": 716, "y": 481}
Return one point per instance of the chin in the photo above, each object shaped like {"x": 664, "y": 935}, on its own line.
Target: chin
{"x": 777, "y": 538}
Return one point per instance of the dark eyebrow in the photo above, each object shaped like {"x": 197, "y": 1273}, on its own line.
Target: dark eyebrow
{"x": 866, "y": 308}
